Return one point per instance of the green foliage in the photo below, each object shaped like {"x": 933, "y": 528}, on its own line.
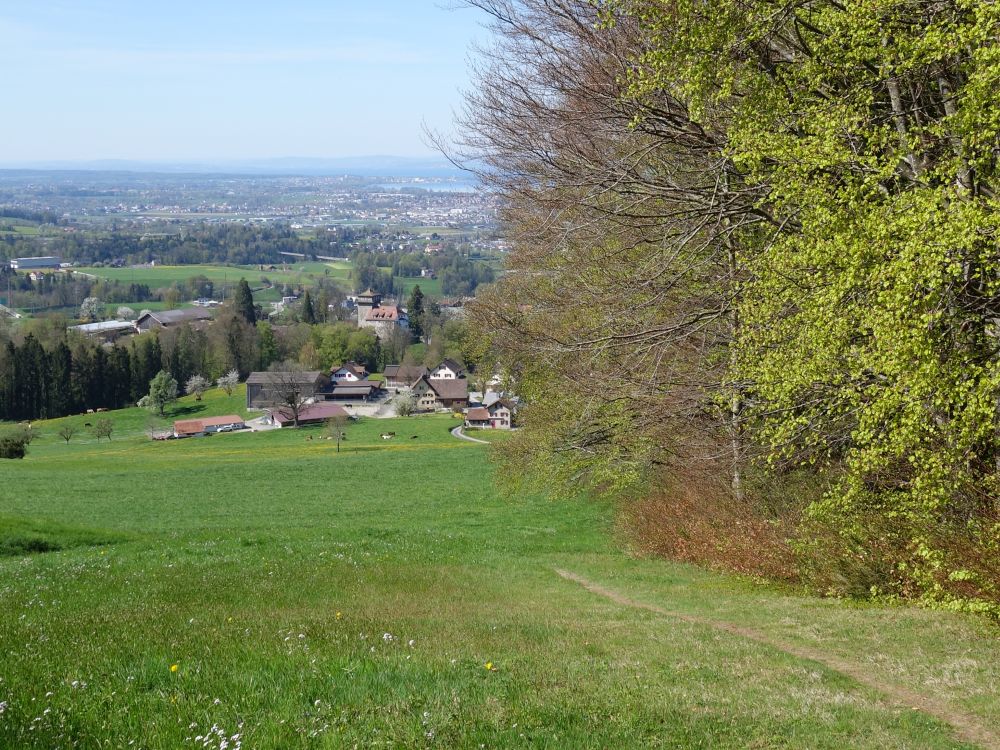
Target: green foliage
{"x": 870, "y": 304}
{"x": 243, "y": 302}
{"x": 162, "y": 392}
{"x": 415, "y": 311}
{"x": 103, "y": 428}
{"x": 13, "y": 445}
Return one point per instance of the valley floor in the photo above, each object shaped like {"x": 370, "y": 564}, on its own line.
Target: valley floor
{"x": 264, "y": 591}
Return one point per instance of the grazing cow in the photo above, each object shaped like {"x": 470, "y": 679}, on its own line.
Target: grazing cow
{"x": 387, "y": 435}
{"x": 90, "y": 411}
{"x": 413, "y": 437}
{"x": 102, "y": 409}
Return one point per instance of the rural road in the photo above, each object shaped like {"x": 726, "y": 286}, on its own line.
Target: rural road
{"x": 457, "y": 432}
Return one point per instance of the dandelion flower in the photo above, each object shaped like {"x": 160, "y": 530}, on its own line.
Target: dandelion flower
{"x": 489, "y": 667}
{"x": 340, "y": 615}
{"x": 174, "y": 667}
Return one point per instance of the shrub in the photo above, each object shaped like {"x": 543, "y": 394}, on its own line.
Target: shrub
{"x": 13, "y": 446}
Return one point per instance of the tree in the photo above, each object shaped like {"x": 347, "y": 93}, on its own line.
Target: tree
{"x": 91, "y": 309}
{"x": 287, "y": 387}
{"x": 307, "y": 312}
{"x": 103, "y": 428}
{"x": 196, "y": 386}
{"x": 243, "y": 302}
{"x": 335, "y": 428}
{"x": 125, "y": 313}
{"x": 229, "y": 381}
{"x": 67, "y": 431}
{"x": 415, "y": 312}
{"x": 405, "y": 404}
{"x": 162, "y": 392}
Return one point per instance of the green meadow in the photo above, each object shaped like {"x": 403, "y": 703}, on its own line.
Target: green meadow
{"x": 262, "y": 590}
{"x": 162, "y": 276}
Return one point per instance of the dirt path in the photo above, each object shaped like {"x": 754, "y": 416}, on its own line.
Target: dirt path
{"x": 967, "y": 727}
{"x": 457, "y": 432}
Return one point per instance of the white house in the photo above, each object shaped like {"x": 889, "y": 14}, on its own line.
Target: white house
{"x": 449, "y": 369}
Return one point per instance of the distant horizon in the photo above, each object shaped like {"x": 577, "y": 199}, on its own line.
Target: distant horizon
{"x": 374, "y": 165}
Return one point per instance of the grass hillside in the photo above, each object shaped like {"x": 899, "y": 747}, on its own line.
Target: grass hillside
{"x": 264, "y": 591}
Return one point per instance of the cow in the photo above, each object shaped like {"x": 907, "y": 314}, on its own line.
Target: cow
{"x": 387, "y": 435}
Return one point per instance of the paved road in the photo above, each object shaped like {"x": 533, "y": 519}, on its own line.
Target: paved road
{"x": 457, "y": 432}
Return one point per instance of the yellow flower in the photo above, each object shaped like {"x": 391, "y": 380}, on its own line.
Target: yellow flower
{"x": 490, "y": 667}
{"x": 174, "y": 667}
{"x": 339, "y": 615}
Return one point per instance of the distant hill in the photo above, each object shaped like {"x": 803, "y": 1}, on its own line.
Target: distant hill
{"x": 362, "y": 166}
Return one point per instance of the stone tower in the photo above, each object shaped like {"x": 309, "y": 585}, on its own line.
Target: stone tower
{"x": 367, "y": 300}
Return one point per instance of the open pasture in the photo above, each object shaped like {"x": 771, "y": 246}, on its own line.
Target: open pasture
{"x": 264, "y": 591}
{"x": 163, "y": 276}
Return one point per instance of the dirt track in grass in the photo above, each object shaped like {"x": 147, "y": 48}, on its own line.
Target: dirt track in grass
{"x": 966, "y": 727}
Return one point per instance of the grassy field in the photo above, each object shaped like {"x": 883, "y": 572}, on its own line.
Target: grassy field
{"x": 430, "y": 287}
{"x": 162, "y": 276}
{"x": 177, "y": 594}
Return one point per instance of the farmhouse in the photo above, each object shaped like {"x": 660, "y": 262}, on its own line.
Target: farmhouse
{"x": 433, "y": 394}
{"x": 349, "y": 372}
{"x": 403, "y": 376}
{"x": 266, "y": 388}
{"x": 195, "y": 427}
{"x": 167, "y": 318}
{"x": 449, "y": 369}
{"x": 309, "y": 414}
{"x": 497, "y": 416}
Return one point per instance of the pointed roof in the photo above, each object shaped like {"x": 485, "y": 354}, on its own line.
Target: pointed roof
{"x": 369, "y": 292}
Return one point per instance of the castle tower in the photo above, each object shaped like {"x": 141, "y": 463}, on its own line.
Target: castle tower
{"x": 367, "y": 300}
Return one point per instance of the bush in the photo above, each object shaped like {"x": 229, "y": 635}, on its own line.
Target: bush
{"x": 13, "y": 446}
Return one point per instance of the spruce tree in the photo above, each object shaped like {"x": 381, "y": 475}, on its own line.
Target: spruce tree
{"x": 415, "y": 312}
{"x": 243, "y": 302}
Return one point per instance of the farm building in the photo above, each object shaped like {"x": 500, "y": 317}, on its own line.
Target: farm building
{"x": 403, "y": 376}
{"x": 207, "y": 425}
{"x": 167, "y": 318}
{"x": 24, "y": 264}
{"x": 349, "y": 372}
{"x": 106, "y": 330}
{"x": 497, "y": 416}
{"x": 354, "y": 390}
{"x": 449, "y": 369}
{"x": 268, "y": 388}
{"x": 309, "y": 414}
{"x": 433, "y": 394}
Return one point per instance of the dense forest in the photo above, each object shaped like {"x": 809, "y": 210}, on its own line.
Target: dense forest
{"x": 755, "y": 284}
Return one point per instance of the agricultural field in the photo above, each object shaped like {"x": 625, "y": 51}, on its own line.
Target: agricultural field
{"x": 265, "y": 591}
{"x": 163, "y": 276}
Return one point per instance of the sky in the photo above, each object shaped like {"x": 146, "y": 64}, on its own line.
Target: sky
{"x": 224, "y": 80}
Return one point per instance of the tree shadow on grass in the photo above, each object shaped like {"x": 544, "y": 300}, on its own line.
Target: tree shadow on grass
{"x": 186, "y": 410}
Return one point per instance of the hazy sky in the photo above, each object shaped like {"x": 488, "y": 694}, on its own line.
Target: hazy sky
{"x": 218, "y": 79}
